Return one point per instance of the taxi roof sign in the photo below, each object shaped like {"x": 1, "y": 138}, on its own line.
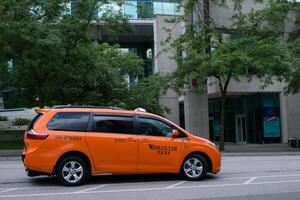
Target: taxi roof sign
{"x": 140, "y": 110}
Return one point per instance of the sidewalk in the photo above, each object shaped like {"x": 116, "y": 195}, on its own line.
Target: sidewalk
{"x": 259, "y": 150}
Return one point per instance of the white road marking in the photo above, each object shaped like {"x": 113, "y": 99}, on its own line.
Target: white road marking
{"x": 26, "y": 188}
{"x": 19, "y": 166}
{"x": 221, "y": 178}
{"x": 89, "y": 189}
{"x": 7, "y": 190}
{"x": 271, "y": 182}
{"x": 146, "y": 189}
{"x": 250, "y": 180}
{"x": 268, "y": 176}
{"x": 176, "y": 184}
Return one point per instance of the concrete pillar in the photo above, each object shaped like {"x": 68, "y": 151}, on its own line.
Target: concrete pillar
{"x": 196, "y": 113}
{"x": 164, "y": 61}
{"x": 171, "y": 101}
{"x": 283, "y": 117}
{"x": 293, "y": 115}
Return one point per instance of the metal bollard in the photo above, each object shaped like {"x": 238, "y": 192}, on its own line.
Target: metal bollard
{"x": 290, "y": 142}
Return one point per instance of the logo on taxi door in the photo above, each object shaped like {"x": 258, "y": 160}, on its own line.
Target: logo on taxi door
{"x": 162, "y": 150}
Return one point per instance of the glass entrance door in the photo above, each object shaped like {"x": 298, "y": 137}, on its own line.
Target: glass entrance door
{"x": 240, "y": 129}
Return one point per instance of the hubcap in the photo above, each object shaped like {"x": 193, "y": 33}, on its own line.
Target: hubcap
{"x": 72, "y": 171}
{"x": 193, "y": 167}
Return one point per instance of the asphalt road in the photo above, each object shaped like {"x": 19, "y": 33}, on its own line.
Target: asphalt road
{"x": 242, "y": 178}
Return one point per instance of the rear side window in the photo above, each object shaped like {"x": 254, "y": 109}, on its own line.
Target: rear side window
{"x": 69, "y": 121}
{"x": 113, "y": 124}
{"x": 35, "y": 119}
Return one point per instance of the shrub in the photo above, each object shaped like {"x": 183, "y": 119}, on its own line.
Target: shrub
{"x": 3, "y": 118}
{"x": 21, "y": 122}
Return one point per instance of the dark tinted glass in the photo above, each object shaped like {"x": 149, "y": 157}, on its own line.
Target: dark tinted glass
{"x": 35, "y": 119}
{"x": 113, "y": 124}
{"x": 69, "y": 121}
{"x": 154, "y": 127}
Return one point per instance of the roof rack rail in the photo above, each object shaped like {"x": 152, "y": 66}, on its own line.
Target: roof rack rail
{"x": 87, "y": 106}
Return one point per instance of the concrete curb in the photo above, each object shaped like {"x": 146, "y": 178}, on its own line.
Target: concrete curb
{"x": 11, "y": 153}
{"x": 14, "y": 158}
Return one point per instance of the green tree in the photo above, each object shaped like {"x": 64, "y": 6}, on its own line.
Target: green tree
{"x": 145, "y": 94}
{"x": 248, "y": 48}
{"x": 112, "y": 66}
{"x": 294, "y": 47}
{"x": 49, "y": 45}
{"x": 4, "y": 76}
{"x": 56, "y": 61}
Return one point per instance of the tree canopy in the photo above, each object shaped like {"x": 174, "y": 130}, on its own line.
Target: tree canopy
{"x": 252, "y": 46}
{"x": 48, "y": 56}
{"x": 294, "y": 47}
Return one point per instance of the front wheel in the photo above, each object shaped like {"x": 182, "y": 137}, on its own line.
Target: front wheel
{"x": 72, "y": 171}
{"x": 194, "y": 167}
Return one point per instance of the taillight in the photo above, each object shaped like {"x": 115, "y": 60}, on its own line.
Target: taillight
{"x": 36, "y": 136}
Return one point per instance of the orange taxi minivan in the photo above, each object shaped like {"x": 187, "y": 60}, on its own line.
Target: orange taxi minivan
{"x": 76, "y": 142}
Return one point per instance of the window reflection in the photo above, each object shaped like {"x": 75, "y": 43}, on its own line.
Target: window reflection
{"x": 143, "y": 9}
{"x": 169, "y": 8}
{"x": 158, "y": 7}
{"x": 130, "y": 9}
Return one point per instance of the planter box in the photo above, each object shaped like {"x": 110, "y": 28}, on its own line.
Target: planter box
{"x": 9, "y": 135}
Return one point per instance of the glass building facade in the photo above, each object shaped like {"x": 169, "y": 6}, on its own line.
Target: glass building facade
{"x": 139, "y": 9}
{"x": 253, "y": 118}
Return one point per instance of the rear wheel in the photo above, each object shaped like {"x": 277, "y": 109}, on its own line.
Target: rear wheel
{"x": 72, "y": 171}
{"x": 194, "y": 167}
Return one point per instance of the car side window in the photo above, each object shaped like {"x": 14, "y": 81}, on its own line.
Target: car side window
{"x": 153, "y": 127}
{"x": 113, "y": 124}
{"x": 69, "y": 121}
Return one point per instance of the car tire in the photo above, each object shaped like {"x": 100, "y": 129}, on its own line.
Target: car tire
{"x": 72, "y": 171}
{"x": 194, "y": 168}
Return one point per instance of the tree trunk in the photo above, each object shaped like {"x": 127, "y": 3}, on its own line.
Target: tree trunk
{"x": 223, "y": 110}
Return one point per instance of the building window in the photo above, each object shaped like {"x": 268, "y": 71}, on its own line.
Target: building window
{"x": 141, "y": 9}
{"x": 130, "y": 9}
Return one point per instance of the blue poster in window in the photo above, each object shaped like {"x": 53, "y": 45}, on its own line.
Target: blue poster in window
{"x": 271, "y": 121}
{"x": 217, "y": 127}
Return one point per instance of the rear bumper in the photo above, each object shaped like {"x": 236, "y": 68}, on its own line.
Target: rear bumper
{"x": 32, "y": 173}
{"x": 33, "y": 161}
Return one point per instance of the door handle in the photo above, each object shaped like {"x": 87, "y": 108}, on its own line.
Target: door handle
{"x": 145, "y": 140}
{"x": 131, "y": 140}
{"x": 119, "y": 140}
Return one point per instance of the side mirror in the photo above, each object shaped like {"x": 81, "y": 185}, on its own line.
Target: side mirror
{"x": 175, "y": 133}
